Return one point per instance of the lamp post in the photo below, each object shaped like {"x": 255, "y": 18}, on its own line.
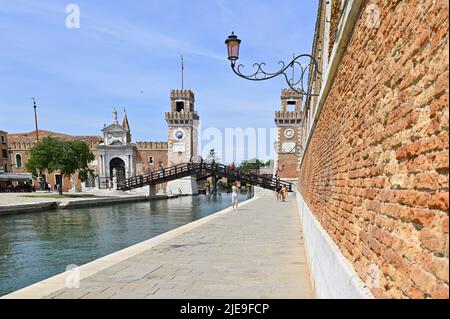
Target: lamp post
{"x": 308, "y": 70}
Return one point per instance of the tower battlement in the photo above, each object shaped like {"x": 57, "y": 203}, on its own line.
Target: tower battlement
{"x": 182, "y": 101}
{"x": 288, "y": 93}
{"x": 182, "y": 94}
{"x": 171, "y": 117}
{"x": 291, "y": 117}
{"x": 21, "y": 145}
{"x": 142, "y": 145}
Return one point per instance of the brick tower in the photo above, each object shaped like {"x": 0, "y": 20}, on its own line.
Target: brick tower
{"x": 289, "y": 122}
{"x": 182, "y": 121}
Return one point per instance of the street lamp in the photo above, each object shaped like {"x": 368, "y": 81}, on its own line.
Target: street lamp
{"x": 233, "y": 43}
{"x": 309, "y": 69}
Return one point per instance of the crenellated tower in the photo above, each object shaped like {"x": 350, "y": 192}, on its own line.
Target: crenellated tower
{"x": 183, "y": 122}
{"x": 289, "y": 121}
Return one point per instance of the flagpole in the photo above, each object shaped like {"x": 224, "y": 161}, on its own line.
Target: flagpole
{"x": 182, "y": 73}
{"x": 35, "y": 120}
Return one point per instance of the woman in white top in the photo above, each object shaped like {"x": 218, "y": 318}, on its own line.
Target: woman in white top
{"x": 234, "y": 196}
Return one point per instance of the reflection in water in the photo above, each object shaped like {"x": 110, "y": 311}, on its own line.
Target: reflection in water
{"x": 35, "y": 246}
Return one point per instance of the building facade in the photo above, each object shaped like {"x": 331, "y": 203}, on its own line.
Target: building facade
{"x": 20, "y": 145}
{"x": 116, "y": 156}
{"x": 4, "y": 153}
{"x": 373, "y": 182}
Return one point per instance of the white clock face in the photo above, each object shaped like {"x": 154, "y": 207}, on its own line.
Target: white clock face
{"x": 288, "y": 147}
{"x": 289, "y": 133}
{"x": 179, "y": 134}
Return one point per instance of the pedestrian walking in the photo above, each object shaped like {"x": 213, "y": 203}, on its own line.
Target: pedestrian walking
{"x": 234, "y": 195}
{"x": 161, "y": 170}
{"x": 278, "y": 192}
{"x": 283, "y": 193}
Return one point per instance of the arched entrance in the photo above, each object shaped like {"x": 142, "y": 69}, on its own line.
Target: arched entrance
{"x": 119, "y": 165}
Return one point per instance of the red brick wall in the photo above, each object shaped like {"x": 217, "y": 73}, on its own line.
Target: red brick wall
{"x": 142, "y": 165}
{"x": 375, "y": 173}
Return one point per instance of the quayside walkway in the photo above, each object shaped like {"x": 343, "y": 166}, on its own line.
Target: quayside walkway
{"x": 255, "y": 252}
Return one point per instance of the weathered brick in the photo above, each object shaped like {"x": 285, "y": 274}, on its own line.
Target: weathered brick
{"x": 439, "y": 201}
{"x": 381, "y": 141}
{"x": 439, "y": 267}
{"x": 398, "y": 261}
{"x": 440, "y": 291}
{"x": 432, "y": 239}
{"x": 424, "y": 281}
{"x": 427, "y": 180}
{"x": 420, "y": 216}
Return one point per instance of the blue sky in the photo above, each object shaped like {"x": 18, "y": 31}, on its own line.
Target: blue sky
{"x": 125, "y": 47}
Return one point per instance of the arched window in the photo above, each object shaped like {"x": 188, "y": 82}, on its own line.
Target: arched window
{"x": 18, "y": 161}
{"x": 151, "y": 161}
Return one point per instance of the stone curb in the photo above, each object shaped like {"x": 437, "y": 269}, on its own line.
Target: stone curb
{"x": 26, "y": 208}
{"x": 100, "y": 201}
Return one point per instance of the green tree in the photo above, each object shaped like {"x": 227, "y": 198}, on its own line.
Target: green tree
{"x": 251, "y": 164}
{"x": 67, "y": 157}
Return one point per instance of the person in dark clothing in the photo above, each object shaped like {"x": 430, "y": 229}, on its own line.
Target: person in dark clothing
{"x": 278, "y": 192}
{"x": 161, "y": 170}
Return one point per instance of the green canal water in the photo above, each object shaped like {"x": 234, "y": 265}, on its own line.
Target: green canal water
{"x": 35, "y": 246}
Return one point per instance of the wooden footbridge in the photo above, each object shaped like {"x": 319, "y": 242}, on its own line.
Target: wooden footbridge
{"x": 202, "y": 170}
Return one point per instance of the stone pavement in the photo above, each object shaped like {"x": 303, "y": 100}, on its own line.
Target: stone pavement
{"x": 255, "y": 252}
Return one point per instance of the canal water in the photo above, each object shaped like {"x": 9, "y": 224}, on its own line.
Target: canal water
{"x": 35, "y": 246}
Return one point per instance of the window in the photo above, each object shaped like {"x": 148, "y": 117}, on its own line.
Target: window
{"x": 151, "y": 160}
{"x": 290, "y": 105}
{"x": 18, "y": 160}
{"x": 2, "y": 138}
{"x": 4, "y": 153}
{"x": 6, "y": 168}
{"x": 180, "y": 106}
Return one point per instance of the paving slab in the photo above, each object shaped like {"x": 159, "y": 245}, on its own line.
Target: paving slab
{"x": 254, "y": 252}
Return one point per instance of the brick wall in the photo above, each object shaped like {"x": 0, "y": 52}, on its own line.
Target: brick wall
{"x": 375, "y": 173}
{"x": 142, "y": 164}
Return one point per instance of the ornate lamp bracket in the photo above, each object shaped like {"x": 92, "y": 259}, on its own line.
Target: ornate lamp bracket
{"x": 309, "y": 68}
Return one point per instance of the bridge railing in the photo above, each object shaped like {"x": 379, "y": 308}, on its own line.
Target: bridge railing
{"x": 186, "y": 169}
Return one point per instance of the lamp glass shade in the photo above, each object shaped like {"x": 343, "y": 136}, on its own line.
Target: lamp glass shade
{"x": 233, "y": 43}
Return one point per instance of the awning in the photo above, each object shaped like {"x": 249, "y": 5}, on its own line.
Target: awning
{"x": 16, "y": 177}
